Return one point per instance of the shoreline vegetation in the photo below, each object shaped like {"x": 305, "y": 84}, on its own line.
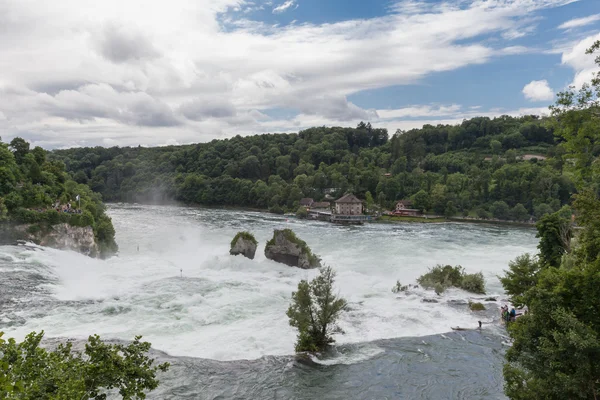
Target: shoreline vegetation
{"x": 37, "y": 191}
{"x": 504, "y": 168}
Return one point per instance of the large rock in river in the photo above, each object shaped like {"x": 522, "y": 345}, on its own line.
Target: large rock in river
{"x": 243, "y": 243}
{"x": 285, "y": 247}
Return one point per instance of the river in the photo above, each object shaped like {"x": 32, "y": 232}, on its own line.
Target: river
{"x": 220, "y": 320}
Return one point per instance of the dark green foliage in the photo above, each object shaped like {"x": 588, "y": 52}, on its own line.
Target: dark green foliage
{"x": 442, "y": 277}
{"x": 555, "y": 232}
{"x": 521, "y": 276}
{"x": 28, "y": 371}
{"x": 244, "y": 235}
{"x": 556, "y": 346}
{"x": 30, "y": 185}
{"x": 442, "y": 168}
{"x": 315, "y": 310}
{"x": 301, "y": 212}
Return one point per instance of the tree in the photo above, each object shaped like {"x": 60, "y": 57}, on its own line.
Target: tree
{"x": 519, "y": 213}
{"x": 28, "y": 371}
{"x": 500, "y": 210}
{"x": 315, "y": 310}
{"x": 495, "y": 147}
{"x": 521, "y": 276}
{"x": 556, "y": 346}
{"x": 420, "y": 200}
{"x": 555, "y": 232}
{"x": 369, "y": 200}
{"x": 301, "y": 212}
{"x": 20, "y": 148}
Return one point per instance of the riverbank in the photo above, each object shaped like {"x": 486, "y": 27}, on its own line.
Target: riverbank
{"x": 391, "y": 219}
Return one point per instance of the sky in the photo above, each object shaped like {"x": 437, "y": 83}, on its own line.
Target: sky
{"x": 147, "y": 72}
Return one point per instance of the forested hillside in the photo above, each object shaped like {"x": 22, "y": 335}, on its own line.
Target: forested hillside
{"x": 33, "y": 187}
{"x": 474, "y": 168}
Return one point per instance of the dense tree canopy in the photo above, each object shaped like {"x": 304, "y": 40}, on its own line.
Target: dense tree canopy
{"x": 475, "y": 168}
{"x": 30, "y": 371}
{"x": 556, "y": 345}
{"x": 31, "y": 183}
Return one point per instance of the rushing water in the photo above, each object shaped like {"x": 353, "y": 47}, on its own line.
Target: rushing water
{"x": 220, "y": 320}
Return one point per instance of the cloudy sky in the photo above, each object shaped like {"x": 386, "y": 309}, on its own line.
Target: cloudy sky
{"x": 150, "y": 72}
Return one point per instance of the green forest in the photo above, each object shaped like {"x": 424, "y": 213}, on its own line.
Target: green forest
{"x": 475, "y": 169}
{"x": 556, "y": 345}
{"x": 33, "y": 187}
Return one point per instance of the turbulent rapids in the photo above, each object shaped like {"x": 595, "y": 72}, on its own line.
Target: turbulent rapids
{"x": 223, "y": 316}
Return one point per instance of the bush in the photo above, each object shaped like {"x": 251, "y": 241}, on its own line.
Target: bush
{"x": 473, "y": 283}
{"x": 301, "y": 212}
{"x": 476, "y": 306}
{"x": 244, "y": 235}
{"x": 33, "y": 229}
{"x": 442, "y": 277}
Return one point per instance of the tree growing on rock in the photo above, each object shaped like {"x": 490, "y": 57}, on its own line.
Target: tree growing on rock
{"x": 315, "y": 310}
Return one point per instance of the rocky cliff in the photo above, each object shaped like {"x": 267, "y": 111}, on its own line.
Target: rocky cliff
{"x": 285, "y": 247}
{"x": 60, "y": 236}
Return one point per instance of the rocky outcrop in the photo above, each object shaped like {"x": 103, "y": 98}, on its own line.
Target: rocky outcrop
{"x": 245, "y": 244}
{"x": 288, "y": 249}
{"x": 60, "y": 236}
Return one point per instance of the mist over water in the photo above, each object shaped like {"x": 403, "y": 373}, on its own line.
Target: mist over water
{"x": 184, "y": 293}
{"x": 228, "y": 307}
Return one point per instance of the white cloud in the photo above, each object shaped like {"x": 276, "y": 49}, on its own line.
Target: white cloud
{"x": 284, "y": 7}
{"x": 579, "y": 22}
{"x": 155, "y": 71}
{"x": 582, "y": 63}
{"x": 538, "y": 91}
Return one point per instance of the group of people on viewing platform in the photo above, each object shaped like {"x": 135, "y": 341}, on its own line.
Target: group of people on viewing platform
{"x": 64, "y": 208}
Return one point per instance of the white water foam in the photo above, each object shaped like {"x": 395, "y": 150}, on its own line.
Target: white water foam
{"x": 228, "y": 308}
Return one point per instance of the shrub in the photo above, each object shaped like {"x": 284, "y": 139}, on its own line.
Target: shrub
{"x": 476, "y": 306}
{"x": 442, "y": 277}
{"x": 244, "y": 235}
{"x": 474, "y": 283}
{"x": 301, "y": 212}
{"x": 33, "y": 229}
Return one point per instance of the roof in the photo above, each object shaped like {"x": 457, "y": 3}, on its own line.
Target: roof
{"x": 321, "y": 204}
{"x": 348, "y": 198}
{"x": 404, "y": 202}
{"x": 307, "y": 201}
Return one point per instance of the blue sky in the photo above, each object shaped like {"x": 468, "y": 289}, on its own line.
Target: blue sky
{"x": 496, "y": 84}
{"x": 151, "y": 72}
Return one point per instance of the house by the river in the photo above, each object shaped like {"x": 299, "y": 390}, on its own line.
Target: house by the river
{"x": 403, "y": 208}
{"x": 349, "y": 210}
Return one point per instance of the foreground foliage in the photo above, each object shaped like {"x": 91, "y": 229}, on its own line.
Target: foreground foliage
{"x": 442, "y": 277}
{"x": 315, "y": 310}
{"x": 28, "y": 371}
{"x": 556, "y": 346}
{"x": 30, "y": 184}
